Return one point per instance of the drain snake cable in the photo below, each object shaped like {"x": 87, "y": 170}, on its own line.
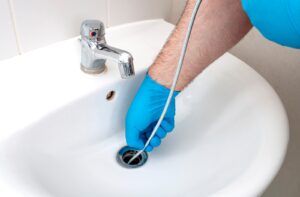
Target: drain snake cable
{"x": 175, "y": 79}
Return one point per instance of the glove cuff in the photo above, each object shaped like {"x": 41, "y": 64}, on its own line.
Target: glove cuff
{"x": 154, "y": 84}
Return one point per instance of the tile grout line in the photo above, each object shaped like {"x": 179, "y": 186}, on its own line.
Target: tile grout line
{"x": 13, "y": 18}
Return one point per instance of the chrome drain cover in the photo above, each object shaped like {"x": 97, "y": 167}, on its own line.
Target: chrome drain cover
{"x": 126, "y": 153}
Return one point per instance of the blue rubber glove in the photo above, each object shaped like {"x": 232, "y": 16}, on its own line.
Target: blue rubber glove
{"x": 277, "y": 20}
{"x": 144, "y": 113}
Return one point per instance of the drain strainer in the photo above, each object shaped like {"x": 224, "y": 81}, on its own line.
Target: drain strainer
{"x": 126, "y": 153}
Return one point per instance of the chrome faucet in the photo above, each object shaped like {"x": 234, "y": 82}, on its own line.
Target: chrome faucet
{"x": 95, "y": 51}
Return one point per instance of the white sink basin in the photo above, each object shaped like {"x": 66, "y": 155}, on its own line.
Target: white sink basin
{"x": 59, "y": 135}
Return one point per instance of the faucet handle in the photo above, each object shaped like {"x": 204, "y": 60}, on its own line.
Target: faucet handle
{"x": 93, "y": 30}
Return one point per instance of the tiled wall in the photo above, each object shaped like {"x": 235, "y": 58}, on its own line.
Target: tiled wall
{"x": 30, "y": 24}
{"x": 123, "y": 11}
{"x": 176, "y": 11}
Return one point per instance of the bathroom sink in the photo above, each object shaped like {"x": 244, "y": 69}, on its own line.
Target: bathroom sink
{"x": 61, "y": 129}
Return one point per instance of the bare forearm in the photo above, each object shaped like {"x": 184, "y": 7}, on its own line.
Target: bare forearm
{"x": 218, "y": 27}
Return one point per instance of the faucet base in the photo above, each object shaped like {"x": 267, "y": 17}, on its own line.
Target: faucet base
{"x": 93, "y": 71}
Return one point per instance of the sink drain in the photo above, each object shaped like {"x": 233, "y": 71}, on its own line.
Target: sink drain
{"x": 126, "y": 153}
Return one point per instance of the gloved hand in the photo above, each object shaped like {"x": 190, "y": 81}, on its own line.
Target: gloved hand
{"x": 277, "y": 20}
{"x": 144, "y": 113}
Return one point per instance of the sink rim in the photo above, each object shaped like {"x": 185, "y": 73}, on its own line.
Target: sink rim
{"x": 263, "y": 182}
{"x": 266, "y": 176}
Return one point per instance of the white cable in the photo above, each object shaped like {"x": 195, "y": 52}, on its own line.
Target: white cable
{"x": 175, "y": 79}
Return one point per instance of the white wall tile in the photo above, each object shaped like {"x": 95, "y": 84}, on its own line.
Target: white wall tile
{"x": 124, "y": 11}
{"x": 8, "y": 45}
{"x": 42, "y": 22}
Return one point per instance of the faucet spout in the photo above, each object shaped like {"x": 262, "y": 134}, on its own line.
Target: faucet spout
{"x": 95, "y": 51}
{"x": 121, "y": 57}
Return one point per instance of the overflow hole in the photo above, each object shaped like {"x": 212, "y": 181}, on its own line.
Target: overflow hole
{"x": 110, "y": 95}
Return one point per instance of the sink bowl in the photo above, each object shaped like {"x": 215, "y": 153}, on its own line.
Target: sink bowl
{"x": 61, "y": 129}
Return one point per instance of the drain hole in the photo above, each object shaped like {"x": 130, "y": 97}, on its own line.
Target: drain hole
{"x": 126, "y": 153}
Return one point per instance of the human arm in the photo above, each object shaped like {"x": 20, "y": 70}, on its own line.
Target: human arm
{"x": 218, "y": 26}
